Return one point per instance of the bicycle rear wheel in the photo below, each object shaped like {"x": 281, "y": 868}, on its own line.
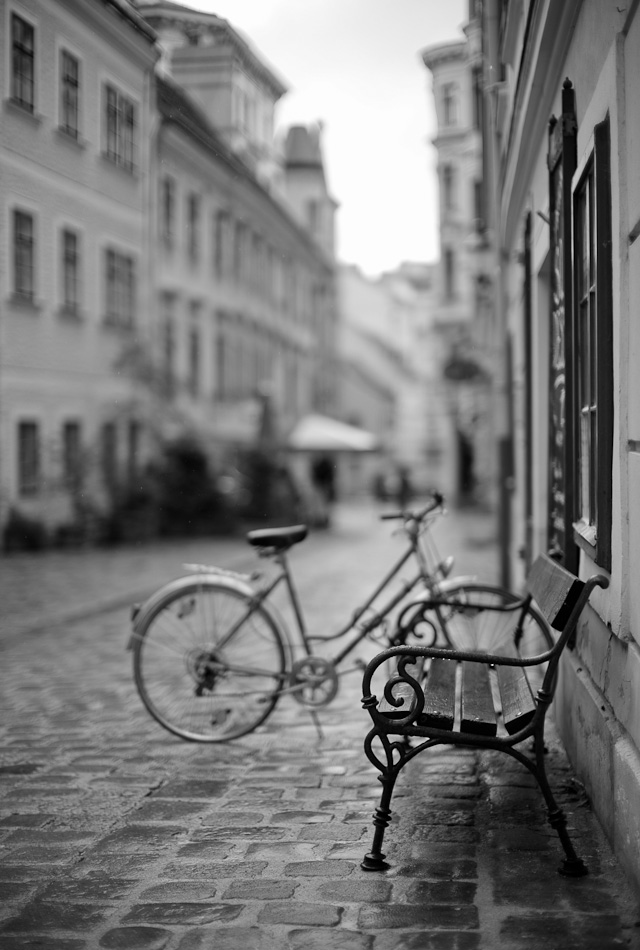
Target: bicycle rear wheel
{"x": 207, "y": 664}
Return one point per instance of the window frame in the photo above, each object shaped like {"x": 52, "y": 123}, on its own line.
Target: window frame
{"x": 23, "y": 251}
{"x": 72, "y": 130}
{"x": 29, "y": 458}
{"x": 25, "y": 55}
{"x": 120, "y": 287}
{"x": 592, "y": 529}
{"x": 72, "y": 453}
{"x": 70, "y": 303}
{"x": 120, "y": 127}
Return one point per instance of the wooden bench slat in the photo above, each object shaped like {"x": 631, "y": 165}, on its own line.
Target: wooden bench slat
{"x": 554, "y": 589}
{"x": 439, "y": 695}
{"x": 404, "y": 692}
{"x": 518, "y": 705}
{"x": 477, "y": 713}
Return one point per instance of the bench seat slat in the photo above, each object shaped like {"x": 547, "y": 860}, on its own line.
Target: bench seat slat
{"x": 439, "y": 698}
{"x": 518, "y": 705}
{"x": 477, "y": 712}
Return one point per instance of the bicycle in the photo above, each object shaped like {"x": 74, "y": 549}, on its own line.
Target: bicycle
{"x": 212, "y": 656}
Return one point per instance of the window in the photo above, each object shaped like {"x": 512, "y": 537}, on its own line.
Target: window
{"x": 69, "y": 94}
{"x": 28, "y": 459}
{"x": 477, "y": 97}
{"x": 593, "y": 350}
{"x": 22, "y": 63}
{"x": 71, "y": 454}
{"x": 23, "y": 255}
{"x": 70, "y": 272}
{"x": 167, "y": 211}
{"x": 193, "y": 228}
{"x": 449, "y": 104}
{"x": 168, "y": 340}
{"x": 120, "y": 128}
{"x": 109, "y": 455}
{"x": 448, "y": 186}
{"x": 194, "y": 361}
{"x": 449, "y": 274}
{"x": 120, "y": 288}
{"x": 478, "y": 206}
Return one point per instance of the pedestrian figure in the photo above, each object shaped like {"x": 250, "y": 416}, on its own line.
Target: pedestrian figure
{"x": 323, "y": 480}
{"x": 404, "y": 490}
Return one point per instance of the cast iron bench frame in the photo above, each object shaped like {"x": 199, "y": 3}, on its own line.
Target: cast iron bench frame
{"x": 421, "y": 700}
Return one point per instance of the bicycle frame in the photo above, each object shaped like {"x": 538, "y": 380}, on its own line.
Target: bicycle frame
{"x": 259, "y": 596}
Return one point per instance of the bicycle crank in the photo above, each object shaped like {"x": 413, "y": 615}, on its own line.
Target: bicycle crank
{"x": 313, "y": 681}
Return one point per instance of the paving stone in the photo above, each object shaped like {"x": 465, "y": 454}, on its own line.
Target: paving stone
{"x": 135, "y": 838}
{"x": 329, "y": 940}
{"x": 441, "y": 892}
{"x": 452, "y": 869}
{"x": 282, "y": 850}
{"x": 88, "y": 890}
{"x": 28, "y": 941}
{"x": 182, "y": 913}
{"x": 136, "y": 938}
{"x": 336, "y": 831}
{"x": 230, "y": 938}
{"x": 213, "y": 872}
{"x": 432, "y": 917}
{"x": 259, "y": 890}
{"x": 233, "y": 833}
{"x": 351, "y": 891}
{"x": 231, "y": 819}
{"x": 298, "y": 913}
{"x": 36, "y": 820}
{"x": 192, "y": 789}
{"x": 37, "y": 916}
{"x": 302, "y": 817}
{"x": 15, "y": 890}
{"x": 425, "y": 940}
{"x": 168, "y": 810}
{"x": 176, "y": 891}
{"x": 319, "y": 869}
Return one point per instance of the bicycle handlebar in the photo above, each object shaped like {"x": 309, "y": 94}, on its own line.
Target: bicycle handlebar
{"x": 437, "y": 501}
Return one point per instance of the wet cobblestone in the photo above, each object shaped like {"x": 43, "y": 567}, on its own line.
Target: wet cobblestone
{"x": 115, "y": 834}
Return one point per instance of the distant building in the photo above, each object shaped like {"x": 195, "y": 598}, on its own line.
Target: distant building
{"x": 389, "y": 366}
{"x": 171, "y": 265}
{"x": 77, "y": 96}
{"x": 464, "y": 281}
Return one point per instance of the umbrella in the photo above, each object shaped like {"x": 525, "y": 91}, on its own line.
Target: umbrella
{"x": 316, "y": 433}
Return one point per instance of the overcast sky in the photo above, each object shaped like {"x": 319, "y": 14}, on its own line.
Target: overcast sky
{"x": 355, "y": 65}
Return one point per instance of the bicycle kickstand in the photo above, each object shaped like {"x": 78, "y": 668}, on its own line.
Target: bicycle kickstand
{"x": 316, "y": 722}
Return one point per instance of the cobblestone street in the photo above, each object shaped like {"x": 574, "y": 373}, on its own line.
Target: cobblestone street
{"x": 116, "y": 834}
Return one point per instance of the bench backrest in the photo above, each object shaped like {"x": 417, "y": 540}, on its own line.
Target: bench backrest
{"x": 555, "y": 590}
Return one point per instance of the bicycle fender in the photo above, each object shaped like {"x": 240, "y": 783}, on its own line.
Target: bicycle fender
{"x": 143, "y": 613}
{"x": 444, "y": 587}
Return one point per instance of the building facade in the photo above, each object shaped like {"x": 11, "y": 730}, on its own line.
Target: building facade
{"x": 161, "y": 278}
{"x": 75, "y": 131}
{"x": 463, "y": 309}
{"x": 562, "y": 83}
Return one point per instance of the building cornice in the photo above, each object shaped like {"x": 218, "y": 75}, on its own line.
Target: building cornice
{"x": 433, "y": 56}
{"x": 173, "y": 14}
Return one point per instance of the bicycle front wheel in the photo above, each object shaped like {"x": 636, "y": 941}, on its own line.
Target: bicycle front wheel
{"x": 208, "y": 664}
{"x": 466, "y": 621}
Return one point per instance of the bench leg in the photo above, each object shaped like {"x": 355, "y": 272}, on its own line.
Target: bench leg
{"x": 572, "y": 865}
{"x": 374, "y": 859}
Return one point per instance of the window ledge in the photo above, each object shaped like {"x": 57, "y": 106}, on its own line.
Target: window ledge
{"x": 73, "y": 140}
{"x": 71, "y": 314}
{"x": 22, "y": 302}
{"x": 585, "y": 535}
{"x": 114, "y": 322}
{"x": 11, "y": 105}
{"x": 130, "y": 170}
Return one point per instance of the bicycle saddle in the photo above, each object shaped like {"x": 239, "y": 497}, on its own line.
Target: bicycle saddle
{"x": 279, "y": 538}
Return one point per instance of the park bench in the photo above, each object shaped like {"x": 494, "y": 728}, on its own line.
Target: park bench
{"x": 480, "y": 700}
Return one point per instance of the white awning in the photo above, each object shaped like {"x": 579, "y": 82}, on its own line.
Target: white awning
{"x": 316, "y": 433}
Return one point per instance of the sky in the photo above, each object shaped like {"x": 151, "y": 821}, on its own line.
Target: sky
{"x": 355, "y": 66}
